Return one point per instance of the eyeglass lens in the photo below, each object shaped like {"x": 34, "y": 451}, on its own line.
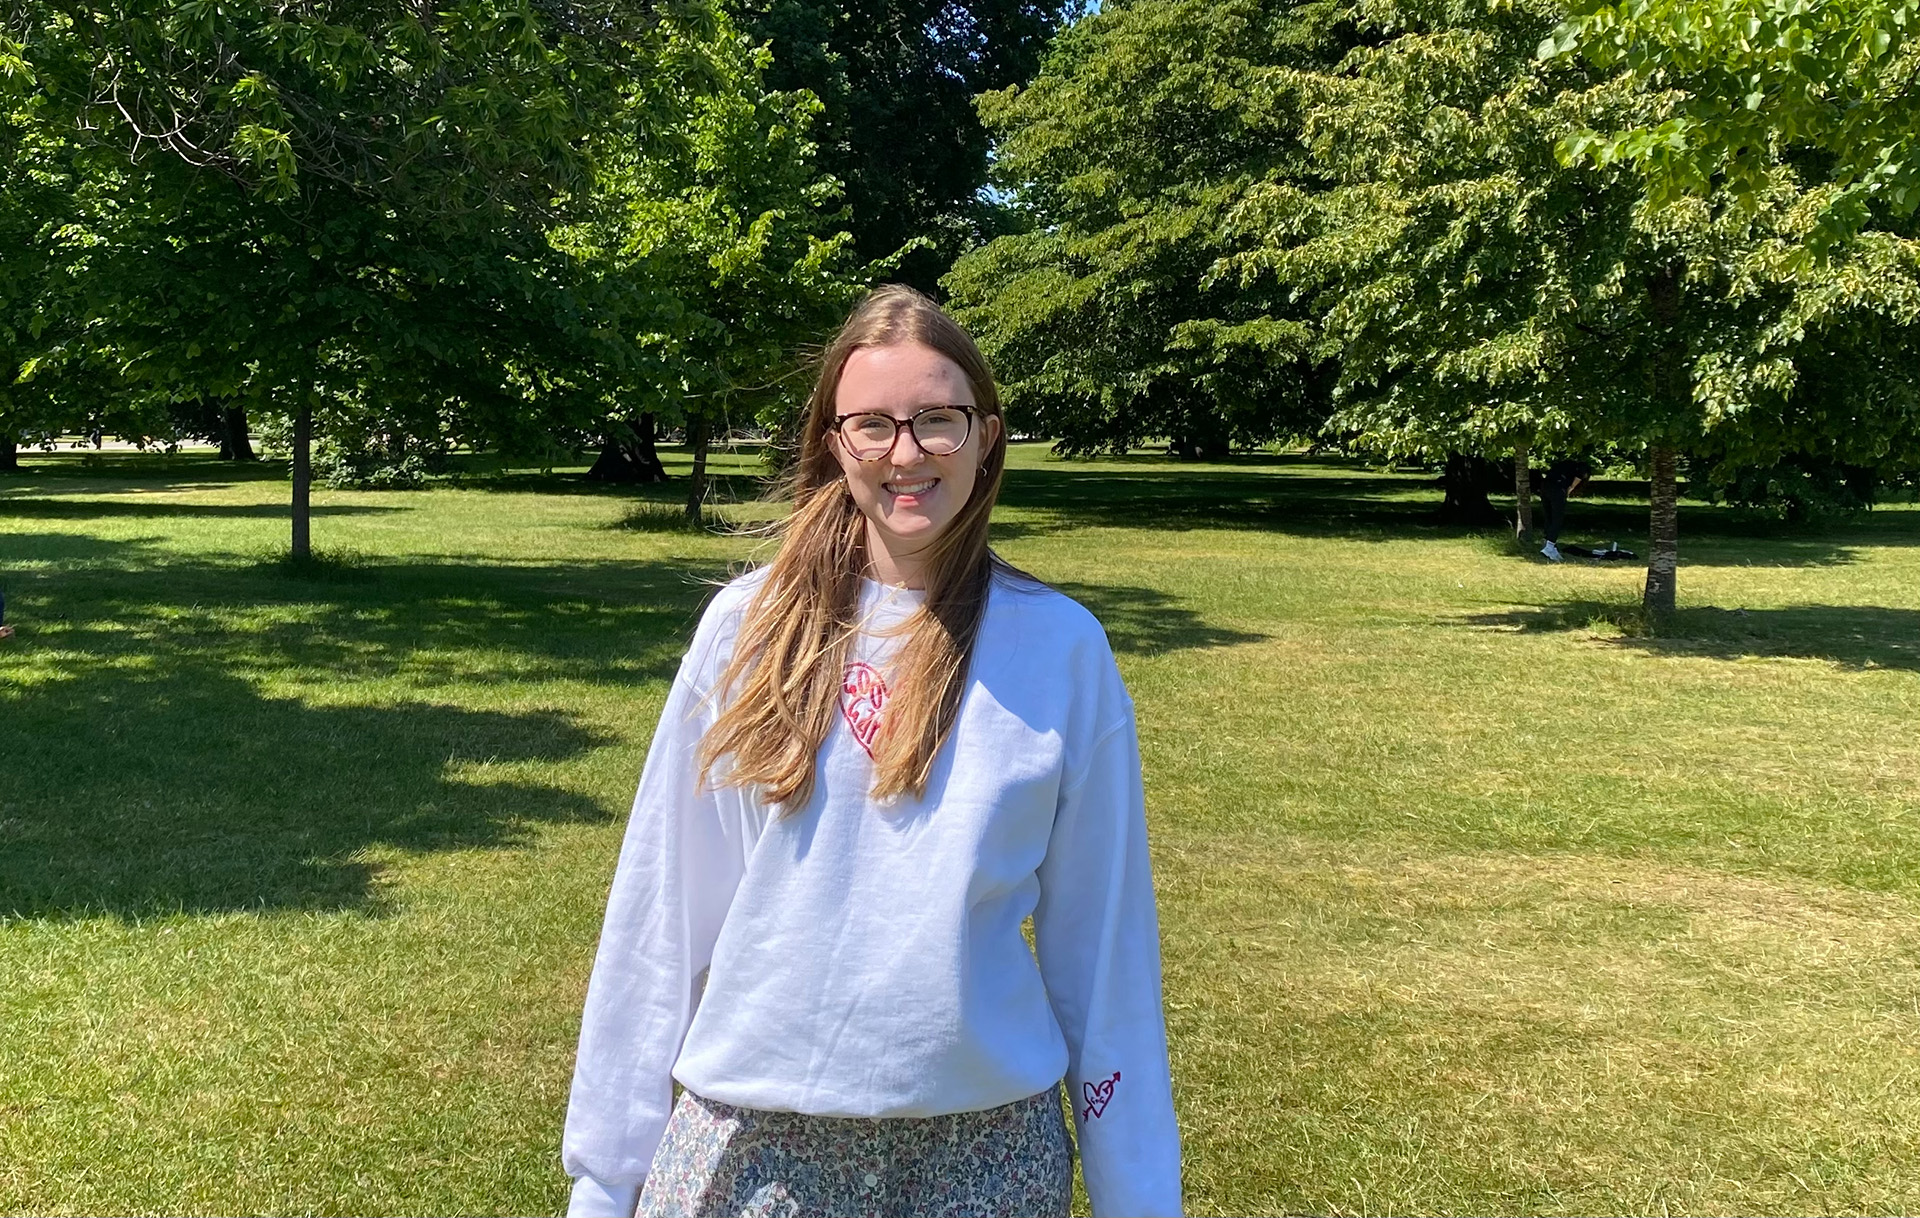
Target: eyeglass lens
{"x": 938, "y": 432}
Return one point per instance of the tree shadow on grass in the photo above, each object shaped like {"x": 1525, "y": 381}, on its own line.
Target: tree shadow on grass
{"x": 432, "y": 622}
{"x": 123, "y": 473}
{"x": 1294, "y": 496}
{"x": 1716, "y": 535}
{"x": 1849, "y": 636}
{"x": 151, "y": 764}
{"x": 96, "y": 509}
{"x": 1146, "y": 621}
{"x": 71, "y": 548}
{"x": 723, "y": 486}
{"x": 184, "y": 789}
{"x": 1286, "y": 494}
{"x": 1269, "y": 496}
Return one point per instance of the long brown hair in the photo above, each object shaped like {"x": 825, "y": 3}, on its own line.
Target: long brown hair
{"x": 781, "y": 689}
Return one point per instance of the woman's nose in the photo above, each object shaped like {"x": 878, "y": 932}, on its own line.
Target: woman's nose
{"x": 912, "y": 455}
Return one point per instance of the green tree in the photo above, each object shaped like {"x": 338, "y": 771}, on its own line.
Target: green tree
{"x": 1481, "y": 293}
{"x": 1816, "y": 100}
{"x": 713, "y": 259}
{"x": 55, "y": 204}
{"x": 1382, "y": 193}
{"x": 1128, "y": 157}
{"x": 896, "y": 80}
{"x": 319, "y": 207}
{"x": 36, "y": 204}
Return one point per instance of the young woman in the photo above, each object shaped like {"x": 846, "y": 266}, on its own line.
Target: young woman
{"x": 882, "y": 752}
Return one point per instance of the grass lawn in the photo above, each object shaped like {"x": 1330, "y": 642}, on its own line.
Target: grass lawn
{"x": 1473, "y": 900}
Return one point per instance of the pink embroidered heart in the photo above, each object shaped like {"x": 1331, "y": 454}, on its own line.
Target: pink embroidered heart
{"x": 863, "y": 693}
{"x": 1098, "y": 1097}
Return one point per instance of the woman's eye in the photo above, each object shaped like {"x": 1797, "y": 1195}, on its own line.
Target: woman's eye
{"x": 940, "y": 420}
{"x": 871, "y": 428}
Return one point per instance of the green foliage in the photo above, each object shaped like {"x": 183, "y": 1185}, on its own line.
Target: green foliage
{"x": 473, "y": 109}
{"x": 1475, "y": 291}
{"x": 369, "y": 471}
{"x": 1231, "y": 203}
{"x": 1797, "y": 488}
{"x": 315, "y": 206}
{"x": 502, "y": 224}
{"x": 896, "y": 80}
{"x": 1798, "y": 121}
{"x": 1743, "y": 80}
{"x": 1479, "y": 290}
{"x": 1128, "y": 157}
{"x": 710, "y": 259}
{"x": 53, "y": 378}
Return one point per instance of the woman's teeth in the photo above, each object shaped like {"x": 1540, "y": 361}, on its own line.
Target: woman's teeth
{"x": 911, "y": 488}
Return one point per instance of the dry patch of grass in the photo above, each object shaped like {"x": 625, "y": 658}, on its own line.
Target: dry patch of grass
{"x": 1513, "y": 1033}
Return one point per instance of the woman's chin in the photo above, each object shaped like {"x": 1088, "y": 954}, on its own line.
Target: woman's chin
{"x": 909, "y": 528}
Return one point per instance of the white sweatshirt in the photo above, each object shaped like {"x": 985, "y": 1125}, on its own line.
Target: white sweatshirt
{"x": 856, "y": 959}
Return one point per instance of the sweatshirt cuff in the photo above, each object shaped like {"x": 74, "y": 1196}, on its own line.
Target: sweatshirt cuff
{"x": 597, "y": 1199}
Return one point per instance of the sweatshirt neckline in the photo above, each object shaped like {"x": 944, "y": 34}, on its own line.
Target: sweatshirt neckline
{"x": 873, "y": 589}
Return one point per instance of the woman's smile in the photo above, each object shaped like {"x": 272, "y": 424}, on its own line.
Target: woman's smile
{"x": 910, "y": 493}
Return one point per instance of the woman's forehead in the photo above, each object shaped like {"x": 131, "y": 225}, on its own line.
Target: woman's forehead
{"x": 900, "y": 375}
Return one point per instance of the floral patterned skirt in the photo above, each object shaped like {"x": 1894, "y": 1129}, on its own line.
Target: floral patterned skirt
{"x": 718, "y": 1160}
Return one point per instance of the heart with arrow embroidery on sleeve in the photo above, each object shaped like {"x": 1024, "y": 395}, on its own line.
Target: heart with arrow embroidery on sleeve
{"x": 1098, "y": 1097}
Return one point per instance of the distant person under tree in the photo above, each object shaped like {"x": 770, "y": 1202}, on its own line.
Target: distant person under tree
{"x": 1564, "y": 477}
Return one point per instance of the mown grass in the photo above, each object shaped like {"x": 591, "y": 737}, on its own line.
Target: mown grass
{"x": 1476, "y": 897}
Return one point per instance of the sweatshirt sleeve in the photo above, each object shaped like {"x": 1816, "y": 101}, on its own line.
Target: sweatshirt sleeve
{"x": 1099, "y": 947}
{"x": 679, "y": 867}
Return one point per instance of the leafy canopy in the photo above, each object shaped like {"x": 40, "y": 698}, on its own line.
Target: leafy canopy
{"x": 499, "y": 221}
{"x": 1748, "y": 79}
{"x": 896, "y": 81}
{"x": 1127, "y": 158}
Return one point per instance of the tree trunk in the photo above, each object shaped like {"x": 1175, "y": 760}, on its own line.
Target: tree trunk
{"x": 1466, "y": 482}
{"x": 628, "y": 454}
{"x": 697, "y": 482}
{"x": 646, "y": 432}
{"x": 9, "y": 455}
{"x": 302, "y": 478}
{"x": 1202, "y": 440}
{"x": 1664, "y": 544}
{"x": 235, "y": 443}
{"x": 1201, "y": 434}
{"x": 1522, "y": 493}
{"x": 611, "y": 464}
{"x": 1672, "y": 391}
